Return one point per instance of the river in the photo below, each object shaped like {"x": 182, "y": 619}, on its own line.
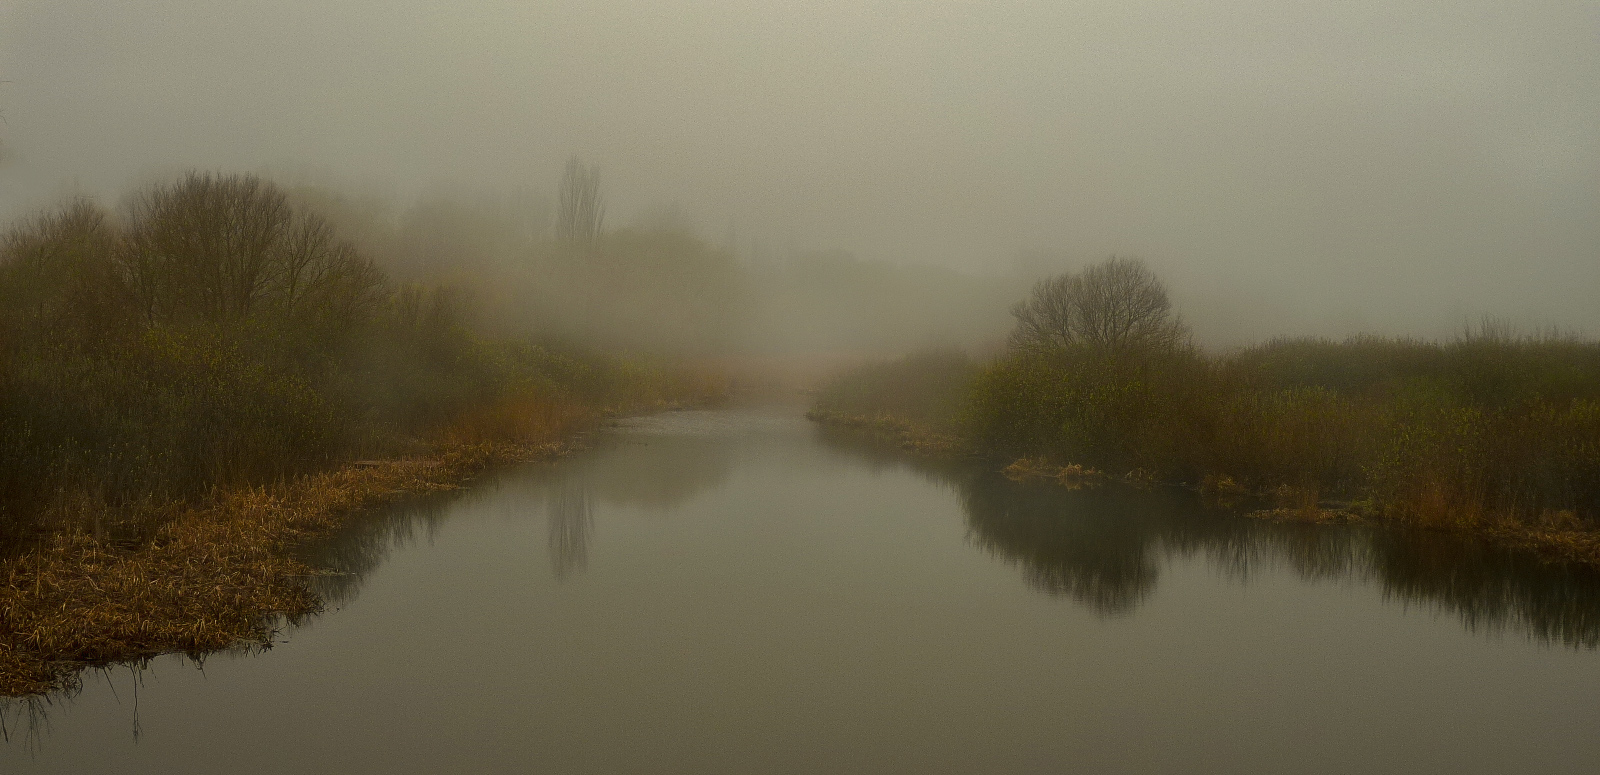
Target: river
{"x": 739, "y": 591}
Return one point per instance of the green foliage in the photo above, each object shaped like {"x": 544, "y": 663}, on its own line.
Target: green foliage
{"x": 1493, "y": 370}
{"x": 1306, "y": 436}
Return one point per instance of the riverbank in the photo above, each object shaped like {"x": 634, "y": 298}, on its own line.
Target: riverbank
{"x": 170, "y": 430}
{"x": 1558, "y": 536}
{"x": 215, "y": 577}
{"x": 899, "y": 431}
{"x": 225, "y": 574}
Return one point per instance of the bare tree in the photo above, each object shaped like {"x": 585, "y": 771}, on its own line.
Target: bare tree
{"x": 230, "y": 247}
{"x": 320, "y": 278}
{"x": 582, "y": 212}
{"x": 1118, "y": 304}
{"x": 56, "y": 265}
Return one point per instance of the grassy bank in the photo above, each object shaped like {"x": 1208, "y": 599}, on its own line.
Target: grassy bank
{"x": 222, "y": 572}
{"x": 191, "y": 390}
{"x": 213, "y": 577}
{"x": 1489, "y": 433}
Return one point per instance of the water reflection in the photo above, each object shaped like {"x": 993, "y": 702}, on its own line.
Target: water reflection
{"x": 650, "y": 466}
{"x": 346, "y": 559}
{"x": 571, "y": 522}
{"x": 1094, "y": 549}
{"x": 1105, "y": 549}
{"x": 725, "y": 544}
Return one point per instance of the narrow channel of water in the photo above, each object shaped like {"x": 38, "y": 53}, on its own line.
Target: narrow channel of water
{"x": 741, "y": 592}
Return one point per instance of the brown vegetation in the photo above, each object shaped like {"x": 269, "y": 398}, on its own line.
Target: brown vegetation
{"x": 182, "y": 394}
{"x": 1490, "y": 434}
{"x": 224, "y": 573}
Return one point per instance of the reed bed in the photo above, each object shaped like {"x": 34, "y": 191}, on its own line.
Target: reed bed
{"x": 223, "y": 574}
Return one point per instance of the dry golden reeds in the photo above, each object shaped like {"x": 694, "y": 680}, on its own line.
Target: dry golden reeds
{"x": 223, "y": 574}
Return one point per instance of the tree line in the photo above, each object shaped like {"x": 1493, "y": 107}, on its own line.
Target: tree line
{"x": 1487, "y": 430}
{"x": 219, "y": 333}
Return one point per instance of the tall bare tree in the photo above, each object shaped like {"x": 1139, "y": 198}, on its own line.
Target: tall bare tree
{"x": 1117, "y": 304}
{"x": 581, "y": 211}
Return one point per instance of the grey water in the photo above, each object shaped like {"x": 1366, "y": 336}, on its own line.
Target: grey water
{"x": 739, "y": 591}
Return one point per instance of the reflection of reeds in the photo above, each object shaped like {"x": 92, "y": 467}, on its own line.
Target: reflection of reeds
{"x": 345, "y": 559}
{"x": 24, "y": 718}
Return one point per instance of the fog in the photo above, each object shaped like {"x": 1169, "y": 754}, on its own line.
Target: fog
{"x": 1288, "y": 168}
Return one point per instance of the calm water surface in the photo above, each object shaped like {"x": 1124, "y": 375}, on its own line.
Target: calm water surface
{"x": 740, "y": 592}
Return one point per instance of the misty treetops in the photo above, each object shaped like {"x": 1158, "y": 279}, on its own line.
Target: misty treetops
{"x": 207, "y": 248}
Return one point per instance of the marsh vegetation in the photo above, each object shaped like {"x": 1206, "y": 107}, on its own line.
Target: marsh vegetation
{"x": 199, "y": 383}
{"x": 1490, "y": 431}
{"x": 712, "y": 561}
{"x": 182, "y": 382}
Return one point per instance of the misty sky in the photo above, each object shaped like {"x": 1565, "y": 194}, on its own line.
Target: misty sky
{"x": 1392, "y": 164}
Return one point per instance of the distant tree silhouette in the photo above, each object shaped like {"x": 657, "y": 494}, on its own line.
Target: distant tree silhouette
{"x": 581, "y": 213}
{"x": 1117, "y": 304}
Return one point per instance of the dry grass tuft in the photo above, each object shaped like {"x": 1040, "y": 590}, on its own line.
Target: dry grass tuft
{"x": 1071, "y": 476}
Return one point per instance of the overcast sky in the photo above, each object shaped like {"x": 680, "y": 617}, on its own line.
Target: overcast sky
{"x": 1388, "y": 164}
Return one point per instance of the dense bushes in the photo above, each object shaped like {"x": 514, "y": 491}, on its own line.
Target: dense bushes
{"x": 218, "y": 336}
{"x": 1485, "y": 429}
{"x": 1123, "y": 410}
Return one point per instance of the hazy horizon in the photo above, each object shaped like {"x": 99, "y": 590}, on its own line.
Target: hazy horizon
{"x": 1303, "y": 168}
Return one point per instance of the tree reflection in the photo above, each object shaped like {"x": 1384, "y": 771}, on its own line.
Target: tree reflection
{"x": 1105, "y": 549}
{"x": 1092, "y": 549}
{"x": 345, "y": 560}
{"x": 571, "y": 523}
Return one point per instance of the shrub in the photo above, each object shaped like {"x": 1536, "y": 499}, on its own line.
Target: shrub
{"x": 1488, "y": 428}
